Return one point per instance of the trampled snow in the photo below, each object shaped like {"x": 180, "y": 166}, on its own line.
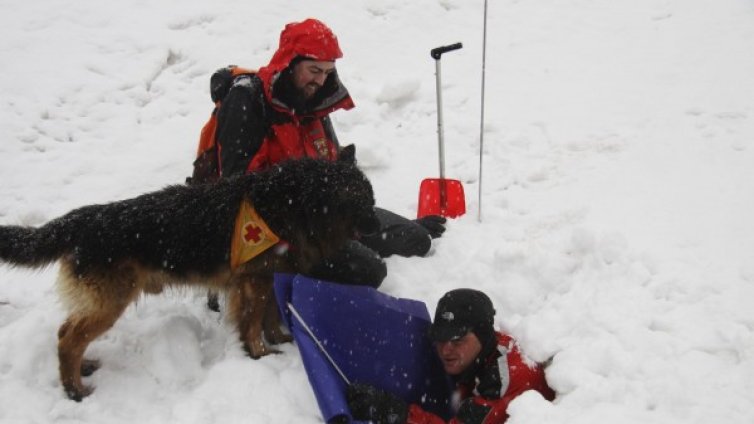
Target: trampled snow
{"x": 617, "y": 196}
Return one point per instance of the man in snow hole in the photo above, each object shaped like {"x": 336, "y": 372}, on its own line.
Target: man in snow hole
{"x": 486, "y": 366}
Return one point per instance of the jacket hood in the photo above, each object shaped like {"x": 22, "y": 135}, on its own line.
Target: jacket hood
{"x": 311, "y": 39}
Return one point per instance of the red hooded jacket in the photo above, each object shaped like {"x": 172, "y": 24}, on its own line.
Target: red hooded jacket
{"x": 485, "y": 393}
{"x": 254, "y": 137}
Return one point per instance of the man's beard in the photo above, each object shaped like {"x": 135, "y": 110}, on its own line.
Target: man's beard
{"x": 308, "y": 91}
{"x": 297, "y": 98}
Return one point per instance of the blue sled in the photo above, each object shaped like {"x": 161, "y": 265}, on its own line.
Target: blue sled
{"x": 372, "y": 337}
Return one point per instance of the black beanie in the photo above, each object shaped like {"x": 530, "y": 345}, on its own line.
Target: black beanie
{"x": 460, "y": 311}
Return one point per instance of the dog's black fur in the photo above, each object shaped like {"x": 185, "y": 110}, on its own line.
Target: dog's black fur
{"x": 112, "y": 253}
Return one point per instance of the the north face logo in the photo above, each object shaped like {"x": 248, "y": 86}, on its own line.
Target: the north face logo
{"x": 448, "y": 316}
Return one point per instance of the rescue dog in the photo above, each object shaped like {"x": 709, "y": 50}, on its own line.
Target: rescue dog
{"x": 112, "y": 253}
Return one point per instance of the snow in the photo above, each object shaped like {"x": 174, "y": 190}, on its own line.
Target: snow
{"x": 618, "y": 190}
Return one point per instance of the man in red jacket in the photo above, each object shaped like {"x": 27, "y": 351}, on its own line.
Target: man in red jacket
{"x": 487, "y": 367}
{"x": 282, "y": 112}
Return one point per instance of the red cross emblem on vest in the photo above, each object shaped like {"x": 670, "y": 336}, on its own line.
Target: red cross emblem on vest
{"x": 252, "y": 233}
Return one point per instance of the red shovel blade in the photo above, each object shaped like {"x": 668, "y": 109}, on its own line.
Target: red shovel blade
{"x": 441, "y": 196}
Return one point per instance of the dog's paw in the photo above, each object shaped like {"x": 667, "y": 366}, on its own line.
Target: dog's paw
{"x": 275, "y": 335}
{"x": 78, "y": 393}
{"x": 257, "y": 349}
{"x": 279, "y": 338}
{"x": 89, "y": 366}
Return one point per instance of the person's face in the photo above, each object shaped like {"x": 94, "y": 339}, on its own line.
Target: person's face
{"x": 457, "y": 355}
{"x": 310, "y": 75}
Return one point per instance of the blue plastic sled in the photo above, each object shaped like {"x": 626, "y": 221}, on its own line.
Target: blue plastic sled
{"x": 374, "y": 338}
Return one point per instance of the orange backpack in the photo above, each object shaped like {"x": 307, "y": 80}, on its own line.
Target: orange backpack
{"x": 207, "y": 163}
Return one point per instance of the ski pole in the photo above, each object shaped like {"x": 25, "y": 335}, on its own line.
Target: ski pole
{"x": 316, "y": 341}
{"x": 481, "y": 120}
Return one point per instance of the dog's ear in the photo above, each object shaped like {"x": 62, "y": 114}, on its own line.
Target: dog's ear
{"x": 348, "y": 154}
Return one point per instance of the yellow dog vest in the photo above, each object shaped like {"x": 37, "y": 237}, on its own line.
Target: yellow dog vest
{"x": 251, "y": 235}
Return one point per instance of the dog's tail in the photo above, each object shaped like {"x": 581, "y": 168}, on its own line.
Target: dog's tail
{"x": 29, "y": 247}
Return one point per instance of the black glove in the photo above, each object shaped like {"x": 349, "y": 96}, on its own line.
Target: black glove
{"x": 434, "y": 224}
{"x": 370, "y": 403}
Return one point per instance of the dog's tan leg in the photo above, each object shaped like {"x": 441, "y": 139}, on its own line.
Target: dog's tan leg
{"x": 95, "y": 300}
{"x": 247, "y": 305}
{"x": 272, "y": 322}
{"x": 74, "y": 337}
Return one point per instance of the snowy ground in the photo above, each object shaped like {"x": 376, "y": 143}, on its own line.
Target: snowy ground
{"x": 618, "y": 192}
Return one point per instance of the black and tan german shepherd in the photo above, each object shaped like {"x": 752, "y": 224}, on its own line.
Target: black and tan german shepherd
{"x": 112, "y": 253}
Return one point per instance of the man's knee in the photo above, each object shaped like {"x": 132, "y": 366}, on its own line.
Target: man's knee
{"x": 376, "y": 273}
{"x": 355, "y": 264}
{"x": 416, "y": 242}
{"x": 408, "y": 239}
{"x": 403, "y": 236}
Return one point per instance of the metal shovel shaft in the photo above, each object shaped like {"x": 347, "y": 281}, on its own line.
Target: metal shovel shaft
{"x": 440, "y": 132}
{"x": 436, "y": 53}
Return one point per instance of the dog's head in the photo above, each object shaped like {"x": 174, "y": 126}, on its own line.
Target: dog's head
{"x": 315, "y": 205}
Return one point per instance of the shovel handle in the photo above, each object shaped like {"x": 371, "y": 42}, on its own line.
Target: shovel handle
{"x": 438, "y": 51}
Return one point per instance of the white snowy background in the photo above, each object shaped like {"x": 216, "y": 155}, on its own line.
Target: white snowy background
{"x": 617, "y": 203}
